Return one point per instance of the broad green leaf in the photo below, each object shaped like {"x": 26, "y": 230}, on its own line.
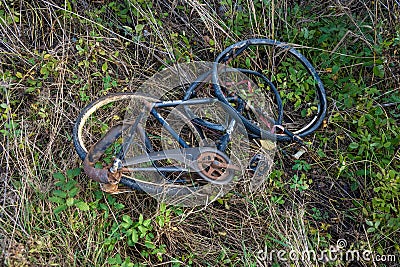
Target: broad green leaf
{"x": 104, "y": 67}
{"x": 161, "y": 221}
{"x": 116, "y": 260}
{"x": 59, "y": 176}
{"x": 60, "y": 209}
{"x": 353, "y": 145}
{"x": 73, "y": 192}
{"x": 378, "y": 71}
{"x": 103, "y": 206}
{"x": 149, "y": 245}
{"x": 125, "y": 225}
{"x": 387, "y": 144}
{"x": 142, "y": 229}
{"x": 71, "y": 173}
{"x": 69, "y": 185}
{"x": 59, "y": 193}
{"x": 139, "y": 28}
{"x": 163, "y": 207}
{"x": 147, "y": 222}
{"x": 119, "y": 206}
{"x": 83, "y": 206}
{"x": 127, "y": 221}
{"x": 44, "y": 70}
{"x": 70, "y": 202}
{"x": 135, "y": 237}
{"x": 126, "y": 218}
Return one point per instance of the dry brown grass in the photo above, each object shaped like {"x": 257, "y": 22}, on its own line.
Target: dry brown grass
{"x": 46, "y": 33}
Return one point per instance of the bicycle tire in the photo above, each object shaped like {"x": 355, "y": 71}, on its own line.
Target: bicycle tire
{"x": 236, "y": 49}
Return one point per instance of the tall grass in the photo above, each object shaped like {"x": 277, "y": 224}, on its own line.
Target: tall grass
{"x": 52, "y": 55}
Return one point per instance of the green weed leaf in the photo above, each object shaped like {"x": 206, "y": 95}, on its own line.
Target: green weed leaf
{"x": 59, "y": 193}
{"x": 127, "y": 222}
{"x": 73, "y": 172}
{"x": 139, "y": 28}
{"x": 149, "y": 245}
{"x": 353, "y": 145}
{"x": 83, "y": 206}
{"x": 60, "y": 209}
{"x": 73, "y": 192}
{"x": 70, "y": 202}
{"x": 59, "y": 176}
{"x": 378, "y": 71}
{"x": 104, "y": 67}
{"x": 147, "y": 222}
{"x": 134, "y": 236}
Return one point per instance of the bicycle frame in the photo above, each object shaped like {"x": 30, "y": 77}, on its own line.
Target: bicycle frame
{"x": 224, "y": 140}
{"x": 188, "y": 156}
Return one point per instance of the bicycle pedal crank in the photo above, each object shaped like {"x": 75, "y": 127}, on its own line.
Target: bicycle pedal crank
{"x": 209, "y": 163}
{"x": 215, "y": 167}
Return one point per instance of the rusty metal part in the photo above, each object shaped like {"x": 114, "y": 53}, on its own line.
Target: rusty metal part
{"x": 215, "y": 167}
{"x": 104, "y": 176}
{"x": 109, "y": 188}
{"x": 98, "y": 175}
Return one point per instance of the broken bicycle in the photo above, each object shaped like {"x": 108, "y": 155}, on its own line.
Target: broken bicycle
{"x": 193, "y": 131}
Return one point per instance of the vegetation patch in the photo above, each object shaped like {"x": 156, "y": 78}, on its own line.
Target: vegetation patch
{"x": 57, "y": 56}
